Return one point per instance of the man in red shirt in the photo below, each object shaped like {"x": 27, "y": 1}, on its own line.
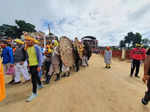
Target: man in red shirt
{"x": 137, "y": 55}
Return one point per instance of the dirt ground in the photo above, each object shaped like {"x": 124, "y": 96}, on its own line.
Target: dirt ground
{"x": 92, "y": 89}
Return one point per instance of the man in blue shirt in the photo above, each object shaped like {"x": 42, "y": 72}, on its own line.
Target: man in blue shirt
{"x": 7, "y": 56}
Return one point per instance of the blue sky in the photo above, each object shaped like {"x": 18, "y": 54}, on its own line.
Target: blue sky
{"x": 108, "y": 20}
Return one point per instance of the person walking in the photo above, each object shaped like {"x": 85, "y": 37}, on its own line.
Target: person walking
{"x": 7, "y": 57}
{"x": 146, "y": 78}
{"x": 137, "y": 55}
{"x": 35, "y": 63}
{"x": 55, "y": 61}
{"x": 107, "y": 57}
{"x": 77, "y": 59}
{"x": 86, "y": 54}
{"x": 20, "y": 60}
{"x": 47, "y": 63}
{"x": 37, "y": 44}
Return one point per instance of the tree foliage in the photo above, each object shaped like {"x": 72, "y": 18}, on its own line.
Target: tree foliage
{"x": 15, "y": 31}
{"x": 131, "y": 39}
{"x": 146, "y": 42}
{"x": 128, "y": 38}
{"x": 137, "y": 39}
{"x": 122, "y": 44}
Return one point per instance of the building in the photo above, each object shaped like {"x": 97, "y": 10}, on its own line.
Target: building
{"x": 92, "y": 42}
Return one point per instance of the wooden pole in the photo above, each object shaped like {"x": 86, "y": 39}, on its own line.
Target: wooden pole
{"x": 49, "y": 29}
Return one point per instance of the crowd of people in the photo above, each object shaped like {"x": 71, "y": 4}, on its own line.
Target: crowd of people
{"x": 36, "y": 63}
{"x": 29, "y": 58}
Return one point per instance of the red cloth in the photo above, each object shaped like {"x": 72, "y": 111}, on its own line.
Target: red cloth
{"x": 138, "y": 53}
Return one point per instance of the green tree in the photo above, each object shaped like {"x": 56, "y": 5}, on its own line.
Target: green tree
{"x": 146, "y": 42}
{"x": 132, "y": 39}
{"x": 137, "y": 39}
{"x": 128, "y": 39}
{"x": 24, "y": 26}
{"x": 16, "y": 31}
{"x": 122, "y": 44}
{"x": 8, "y": 30}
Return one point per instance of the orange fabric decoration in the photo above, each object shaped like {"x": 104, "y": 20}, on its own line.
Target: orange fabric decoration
{"x": 2, "y": 83}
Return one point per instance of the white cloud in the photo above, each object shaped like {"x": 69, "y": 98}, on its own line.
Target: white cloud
{"x": 107, "y": 20}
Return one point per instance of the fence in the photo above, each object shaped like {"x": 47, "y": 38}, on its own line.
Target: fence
{"x": 118, "y": 53}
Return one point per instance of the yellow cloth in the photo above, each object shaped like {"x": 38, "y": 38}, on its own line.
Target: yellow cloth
{"x": 56, "y": 43}
{"x": 19, "y": 41}
{"x": 80, "y": 50}
{"x": 36, "y": 41}
{"x": 29, "y": 38}
{"x": 32, "y": 56}
{"x": 2, "y": 83}
{"x": 138, "y": 45}
{"x": 50, "y": 50}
